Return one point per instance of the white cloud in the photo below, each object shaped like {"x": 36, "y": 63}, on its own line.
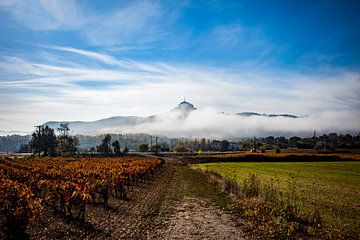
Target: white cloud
{"x": 135, "y": 23}
{"x": 45, "y": 14}
{"x": 107, "y": 59}
{"x": 39, "y": 92}
{"x": 98, "y": 56}
{"x": 248, "y": 41}
{"x": 210, "y": 123}
{"x": 129, "y": 24}
{"x": 227, "y": 36}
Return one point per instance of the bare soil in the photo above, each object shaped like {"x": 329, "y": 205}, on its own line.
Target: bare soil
{"x": 177, "y": 203}
{"x": 195, "y": 218}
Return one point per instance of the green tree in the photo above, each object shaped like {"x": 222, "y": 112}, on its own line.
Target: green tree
{"x": 203, "y": 145}
{"x": 295, "y": 141}
{"x": 281, "y": 142}
{"x": 143, "y": 147}
{"x": 36, "y": 142}
{"x": 104, "y": 147}
{"x": 180, "y": 148}
{"x": 247, "y": 144}
{"x": 64, "y": 129}
{"x": 164, "y": 147}
{"x": 92, "y": 150}
{"x": 155, "y": 148}
{"x": 67, "y": 145}
{"x": 43, "y": 140}
{"x": 116, "y": 146}
{"x": 126, "y": 150}
{"x": 224, "y": 145}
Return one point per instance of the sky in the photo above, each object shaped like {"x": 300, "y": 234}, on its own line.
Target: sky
{"x": 87, "y": 60}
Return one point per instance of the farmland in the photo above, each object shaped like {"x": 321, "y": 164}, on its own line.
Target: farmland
{"x": 163, "y": 198}
{"x": 80, "y": 198}
{"x": 333, "y": 186}
{"x": 33, "y": 187}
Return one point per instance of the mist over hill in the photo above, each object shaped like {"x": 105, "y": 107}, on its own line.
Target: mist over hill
{"x": 185, "y": 120}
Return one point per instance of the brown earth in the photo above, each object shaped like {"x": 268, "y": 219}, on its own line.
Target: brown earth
{"x": 177, "y": 203}
{"x": 195, "y": 218}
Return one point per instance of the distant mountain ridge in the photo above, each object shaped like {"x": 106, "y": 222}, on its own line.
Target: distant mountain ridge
{"x": 248, "y": 114}
{"x": 107, "y": 125}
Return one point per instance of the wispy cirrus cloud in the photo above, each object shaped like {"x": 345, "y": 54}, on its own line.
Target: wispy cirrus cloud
{"x": 228, "y": 36}
{"x": 137, "y": 26}
{"x": 45, "y": 14}
{"x": 88, "y": 93}
{"x": 131, "y": 23}
{"x": 250, "y": 44}
{"x": 90, "y": 54}
{"x": 136, "y": 23}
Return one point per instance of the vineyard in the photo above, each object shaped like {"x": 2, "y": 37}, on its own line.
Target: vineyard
{"x": 65, "y": 185}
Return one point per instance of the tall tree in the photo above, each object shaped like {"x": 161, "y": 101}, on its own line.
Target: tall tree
{"x": 43, "y": 140}
{"x": 143, "y": 147}
{"x": 224, "y": 145}
{"x": 64, "y": 129}
{"x": 104, "y": 147}
{"x": 66, "y": 144}
{"x": 116, "y": 146}
{"x": 155, "y": 148}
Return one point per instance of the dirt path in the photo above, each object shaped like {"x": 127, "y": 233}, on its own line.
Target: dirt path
{"x": 196, "y": 218}
{"x": 177, "y": 203}
{"x": 193, "y": 209}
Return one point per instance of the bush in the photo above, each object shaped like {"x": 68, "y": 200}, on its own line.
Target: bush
{"x": 143, "y": 147}
{"x": 180, "y": 148}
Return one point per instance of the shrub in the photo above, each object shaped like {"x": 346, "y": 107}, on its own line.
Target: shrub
{"x": 180, "y": 148}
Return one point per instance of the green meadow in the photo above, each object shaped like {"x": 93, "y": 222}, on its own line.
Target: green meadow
{"x": 333, "y": 186}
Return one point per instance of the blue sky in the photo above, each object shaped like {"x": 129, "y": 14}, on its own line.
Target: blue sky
{"x": 86, "y": 60}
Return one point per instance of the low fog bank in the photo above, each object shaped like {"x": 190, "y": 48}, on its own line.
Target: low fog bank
{"x": 209, "y": 123}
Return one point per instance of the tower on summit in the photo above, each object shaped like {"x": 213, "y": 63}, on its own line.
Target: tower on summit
{"x": 185, "y": 106}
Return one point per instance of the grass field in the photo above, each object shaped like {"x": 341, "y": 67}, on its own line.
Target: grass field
{"x": 334, "y": 185}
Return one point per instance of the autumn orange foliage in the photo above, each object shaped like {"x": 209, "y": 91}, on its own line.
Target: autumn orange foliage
{"x": 67, "y": 184}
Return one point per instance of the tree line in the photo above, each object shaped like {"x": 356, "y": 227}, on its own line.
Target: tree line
{"x": 44, "y": 142}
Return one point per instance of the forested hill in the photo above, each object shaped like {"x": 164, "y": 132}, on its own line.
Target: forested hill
{"x": 12, "y": 143}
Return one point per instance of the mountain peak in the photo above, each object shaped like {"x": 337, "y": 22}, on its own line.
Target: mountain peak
{"x": 185, "y": 106}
